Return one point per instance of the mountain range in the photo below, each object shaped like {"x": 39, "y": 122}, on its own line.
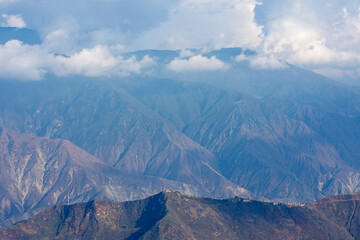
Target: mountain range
{"x": 38, "y": 172}
{"x": 171, "y": 215}
{"x": 286, "y": 135}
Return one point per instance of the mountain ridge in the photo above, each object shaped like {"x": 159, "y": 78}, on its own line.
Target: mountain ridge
{"x": 235, "y": 124}
{"x": 109, "y": 124}
{"x": 172, "y": 215}
{"x": 38, "y": 172}
{"x": 286, "y": 135}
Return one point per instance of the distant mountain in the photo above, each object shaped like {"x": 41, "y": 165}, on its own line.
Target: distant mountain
{"x": 170, "y": 215}
{"x": 25, "y": 35}
{"x": 110, "y": 124}
{"x": 286, "y": 135}
{"x": 36, "y": 173}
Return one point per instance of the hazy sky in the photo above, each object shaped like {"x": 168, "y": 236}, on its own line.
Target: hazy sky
{"x": 90, "y": 35}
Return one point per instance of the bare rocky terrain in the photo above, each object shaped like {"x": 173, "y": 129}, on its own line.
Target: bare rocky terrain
{"x": 171, "y": 215}
{"x": 36, "y": 173}
{"x": 285, "y": 135}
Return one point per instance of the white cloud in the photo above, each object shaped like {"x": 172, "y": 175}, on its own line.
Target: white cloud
{"x": 266, "y": 62}
{"x": 13, "y": 21}
{"x": 184, "y": 53}
{"x": 31, "y": 62}
{"x": 303, "y": 45}
{"x": 322, "y": 36}
{"x": 22, "y": 62}
{"x": 57, "y": 41}
{"x": 241, "y": 57}
{"x": 91, "y": 22}
{"x": 196, "y": 63}
{"x": 98, "y": 61}
{"x": 262, "y": 61}
{"x": 205, "y": 23}
{"x": 88, "y": 62}
{"x": 346, "y": 31}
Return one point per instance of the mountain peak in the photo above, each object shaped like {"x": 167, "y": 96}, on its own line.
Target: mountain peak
{"x": 169, "y": 214}
{"x": 170, "y": 194}
{"x": 44, "y": 172}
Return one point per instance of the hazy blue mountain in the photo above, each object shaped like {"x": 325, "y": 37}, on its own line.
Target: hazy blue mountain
{"x": 286, "y": 134}
{"x": 110, "y": 124}
{"x": 25, "y": 35}
{"x": 36, "y": 173}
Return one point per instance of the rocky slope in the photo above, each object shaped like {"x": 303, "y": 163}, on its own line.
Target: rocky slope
{"x": 286, "y": 135}
{"x": 170, "y": 215}
{"x": 107, "y": 122}
{"x": 36, "y": 173}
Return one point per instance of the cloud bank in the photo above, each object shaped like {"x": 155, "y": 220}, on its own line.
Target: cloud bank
{"x": 91, "y": 22}
{"x": 13, "y": 21}
{"x": 18, "y": 61}
{"x": 323, "y": 35}
{"x": 196, "y": 63}
{"x": 205, "y": 23}
{"x": 25, "y": 62}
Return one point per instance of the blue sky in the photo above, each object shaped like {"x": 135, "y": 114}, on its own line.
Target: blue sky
{"x": 91, "y": 35}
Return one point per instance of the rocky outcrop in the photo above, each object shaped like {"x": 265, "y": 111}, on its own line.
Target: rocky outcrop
{"x": 171, "y": 215}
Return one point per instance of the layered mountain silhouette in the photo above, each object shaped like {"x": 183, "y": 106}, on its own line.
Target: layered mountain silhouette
{"x": 38, "y": 172}
{"x": 170, "y": 215}
{"x": 293, "y": 131}
{"x": 285, "y": 135}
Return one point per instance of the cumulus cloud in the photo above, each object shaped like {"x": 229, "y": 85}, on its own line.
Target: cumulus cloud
{"x": 95, "y": 22}
{"x": 186, "y": 53}
{"x": 13, "y": 21}
{"x": 322, "y": 36}
{"x": 58, "y": 41}
{"x": 302, "y": 45}
{"x": 196, "y": 63}
{"x": 18, "y": 61}
{"x": 262, "y": 61}
{"x": 205, "y": 23}
{"x": 88, "y": 62}
{"x": 98, "y": 61}
{"x": 31, "y": 62}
